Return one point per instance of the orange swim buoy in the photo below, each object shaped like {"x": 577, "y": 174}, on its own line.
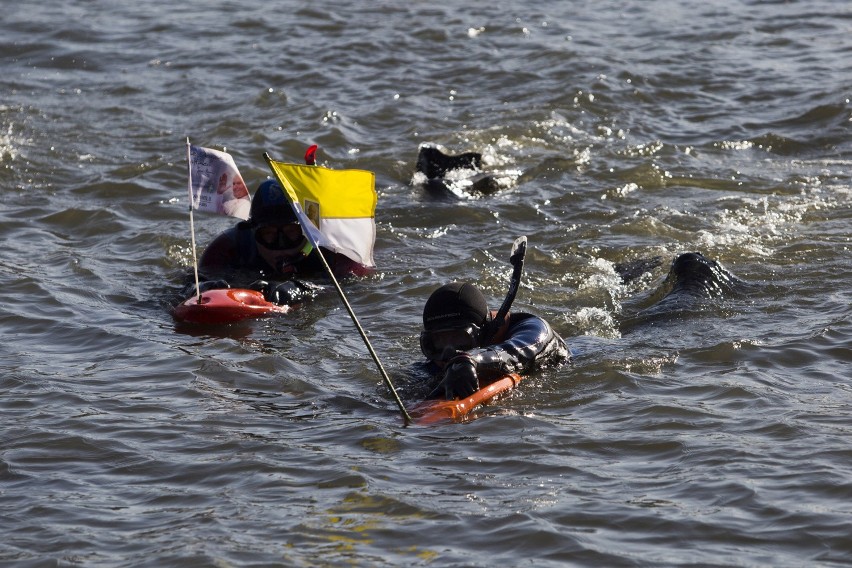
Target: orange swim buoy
{"x": 432, "y": 411}
{"x": 224, "y": 306}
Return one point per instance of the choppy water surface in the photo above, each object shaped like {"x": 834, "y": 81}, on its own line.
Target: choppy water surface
{"x": 717, "y": 436}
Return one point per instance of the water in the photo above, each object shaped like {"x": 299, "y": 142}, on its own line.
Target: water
{"x": 627, "y": 130}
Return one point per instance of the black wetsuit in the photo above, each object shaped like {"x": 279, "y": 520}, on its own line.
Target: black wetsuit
{"x": 528, "y": 344}
{"x": 232, "y": 259}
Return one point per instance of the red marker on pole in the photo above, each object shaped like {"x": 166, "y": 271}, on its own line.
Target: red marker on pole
{"x": 311, "y": 156}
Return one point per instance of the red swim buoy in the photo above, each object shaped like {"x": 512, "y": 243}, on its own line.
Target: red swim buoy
{"x": 226, "y": 306}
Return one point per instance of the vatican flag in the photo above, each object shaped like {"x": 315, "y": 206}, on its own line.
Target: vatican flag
{"x": 336, "y": 208}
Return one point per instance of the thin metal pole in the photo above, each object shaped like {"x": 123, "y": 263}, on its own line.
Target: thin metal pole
{"x": 191, "y": 220}
{"x": 406, "y": 417}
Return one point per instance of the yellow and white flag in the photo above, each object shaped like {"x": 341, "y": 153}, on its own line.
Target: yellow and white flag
{"x": 337, "y": 208}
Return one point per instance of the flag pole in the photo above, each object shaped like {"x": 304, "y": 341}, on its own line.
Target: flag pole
{"x": 191, "y": 219}
{"x": 405, "y": 416}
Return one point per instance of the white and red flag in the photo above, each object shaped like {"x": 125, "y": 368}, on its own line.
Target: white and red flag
{"x": 215, "y": 183}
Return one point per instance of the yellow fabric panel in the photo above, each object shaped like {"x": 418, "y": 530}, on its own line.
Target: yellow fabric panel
{"x": 341, "y": 194}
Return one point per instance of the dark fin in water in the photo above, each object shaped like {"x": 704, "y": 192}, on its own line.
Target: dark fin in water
{"x": 694, "y": 285}
{"x": 633, "y": 269}
{"x": 695, "y": 275}
{"x": 694, "y": 282}
{"x": 434, "y": 164}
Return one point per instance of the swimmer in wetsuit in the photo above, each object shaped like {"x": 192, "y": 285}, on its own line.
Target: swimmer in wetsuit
{"x": 468, "y": 350}
{"x": 271, "y": 252}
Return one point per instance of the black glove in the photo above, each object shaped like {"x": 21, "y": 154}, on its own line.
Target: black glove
{"x": 261, "y": 286}
{"x": 290, "y": 292}
{"x": 189, "y": 290}
{"x": 460, "y": 380}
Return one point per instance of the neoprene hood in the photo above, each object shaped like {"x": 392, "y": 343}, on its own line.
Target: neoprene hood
{"x": 456, "y": 304}
{"x": 269, "y": 206}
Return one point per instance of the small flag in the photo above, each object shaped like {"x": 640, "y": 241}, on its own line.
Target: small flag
{"x": 215, "y": 183}
{"x": 337, "y": 208}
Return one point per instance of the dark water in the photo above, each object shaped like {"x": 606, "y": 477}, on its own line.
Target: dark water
{"x": 712, "y": 437}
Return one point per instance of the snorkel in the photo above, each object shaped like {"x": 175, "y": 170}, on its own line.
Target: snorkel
{"x": 516, "y": 259}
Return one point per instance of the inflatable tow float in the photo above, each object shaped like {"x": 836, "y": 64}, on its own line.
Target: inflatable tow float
{"x": 435, "y": 411}
{"x": 224, "y": 306}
